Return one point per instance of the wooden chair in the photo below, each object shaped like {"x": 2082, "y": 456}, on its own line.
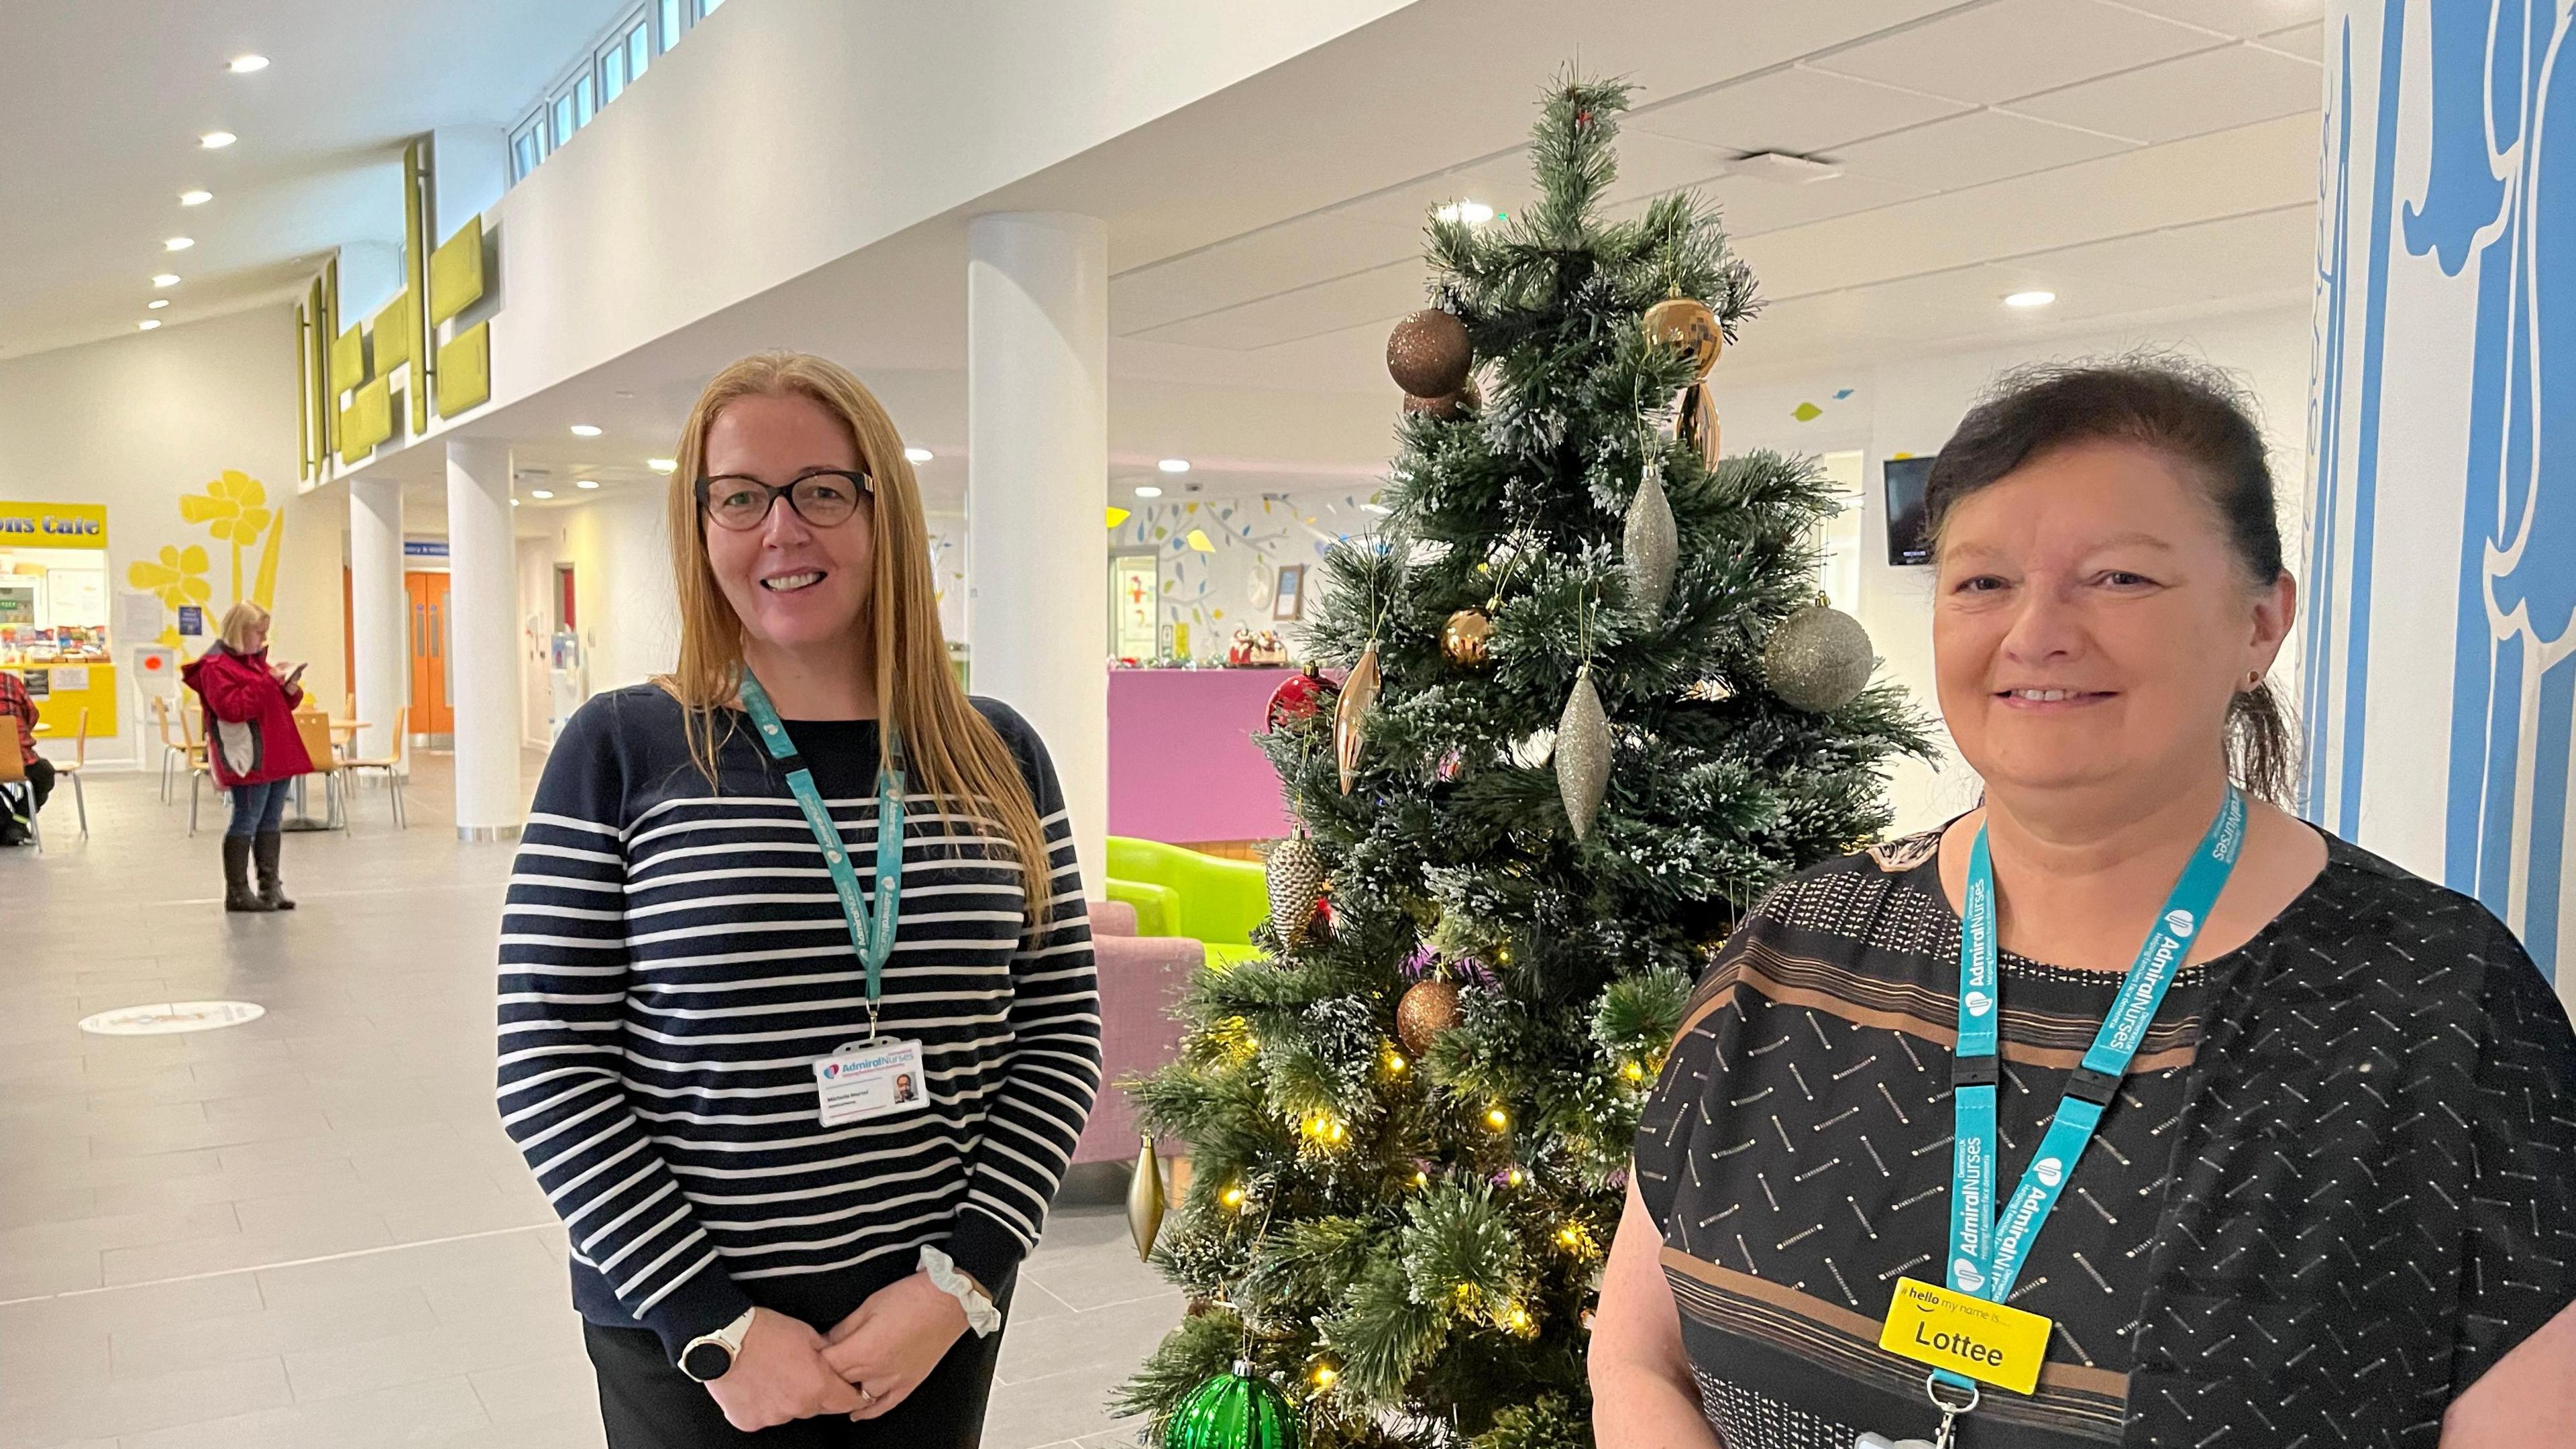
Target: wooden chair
{"x": 176, "y": 754}
{"x": 314, "y": 728}
{"x": 391, "y": 764}
{"x": 72, "y": 772}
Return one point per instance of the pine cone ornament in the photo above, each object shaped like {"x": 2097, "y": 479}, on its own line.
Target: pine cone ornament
{"x": 1294, "y": 875}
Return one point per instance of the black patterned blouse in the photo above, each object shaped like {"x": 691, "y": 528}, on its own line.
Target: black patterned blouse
{"x": 2339, "y": 1182}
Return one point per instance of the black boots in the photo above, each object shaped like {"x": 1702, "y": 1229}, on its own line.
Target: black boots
{"x": 264, "y": 847}
{"x": 238, "y": 895}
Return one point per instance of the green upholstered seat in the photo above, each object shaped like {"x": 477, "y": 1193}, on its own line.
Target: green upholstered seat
{"x": 1180, "y": 892}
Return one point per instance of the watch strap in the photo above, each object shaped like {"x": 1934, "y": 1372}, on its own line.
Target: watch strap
{"x": 729, "y": 1338}
{"x": 945, "y": 1275}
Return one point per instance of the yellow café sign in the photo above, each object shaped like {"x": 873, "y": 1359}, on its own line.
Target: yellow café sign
{"x": 53, "y": 525}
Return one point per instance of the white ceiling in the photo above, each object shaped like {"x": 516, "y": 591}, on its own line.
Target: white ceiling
{"x": 106, "y": 100}
{"x": 2145, "y": 160}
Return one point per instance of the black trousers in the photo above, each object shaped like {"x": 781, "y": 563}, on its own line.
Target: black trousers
{"x": 17, "y": 802}
{"x": 648, "y": 1404}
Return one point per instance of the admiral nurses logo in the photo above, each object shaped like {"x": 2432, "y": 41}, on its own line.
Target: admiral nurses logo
{"x": 1978, "y": 1003}
{"x": 2179, "y": 923}
{"x": 2050, "y": 1171}
{"x": 1967, "y": 1274}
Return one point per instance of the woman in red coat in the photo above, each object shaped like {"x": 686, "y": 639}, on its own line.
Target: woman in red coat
{"x": 253, "y": 745}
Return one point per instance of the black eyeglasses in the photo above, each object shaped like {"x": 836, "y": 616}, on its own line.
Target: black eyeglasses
{"x": 824, "y": 498}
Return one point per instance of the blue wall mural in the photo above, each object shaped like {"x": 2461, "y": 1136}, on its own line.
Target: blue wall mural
{"x": 2450, "y": 275}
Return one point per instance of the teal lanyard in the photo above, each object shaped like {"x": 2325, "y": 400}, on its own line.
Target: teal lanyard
{"x": 871, "y": 932}
{"x": 1987, "y": 1251}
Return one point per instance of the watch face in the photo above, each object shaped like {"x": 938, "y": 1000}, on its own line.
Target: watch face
{"x": 706, "y": 1362}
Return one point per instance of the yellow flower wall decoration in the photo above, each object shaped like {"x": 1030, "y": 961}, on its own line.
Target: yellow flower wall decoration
{"x": 176, "y": 578}
{"x": 235, "y": 510}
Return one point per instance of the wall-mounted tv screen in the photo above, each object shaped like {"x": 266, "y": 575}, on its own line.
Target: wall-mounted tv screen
{"x": 1908, "y": 540}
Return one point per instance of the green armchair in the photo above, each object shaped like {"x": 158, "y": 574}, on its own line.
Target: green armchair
{"x": 1180, "y": 892}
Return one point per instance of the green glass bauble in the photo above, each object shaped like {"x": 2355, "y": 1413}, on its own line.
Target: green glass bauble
{"x": 1233, "y": 1411}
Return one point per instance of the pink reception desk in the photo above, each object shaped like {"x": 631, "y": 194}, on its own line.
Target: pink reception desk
{"x": 1182, "y": 764}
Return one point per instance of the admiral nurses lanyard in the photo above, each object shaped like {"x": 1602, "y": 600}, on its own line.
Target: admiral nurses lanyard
{"x": 1965, "y": 1331}
{"x": 877, "y": 1077}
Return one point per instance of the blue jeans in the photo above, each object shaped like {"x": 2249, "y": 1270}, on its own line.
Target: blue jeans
{"x": 257, "y": 808}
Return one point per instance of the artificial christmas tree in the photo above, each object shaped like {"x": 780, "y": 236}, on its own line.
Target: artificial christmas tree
{"x": 1409, "y": 1131}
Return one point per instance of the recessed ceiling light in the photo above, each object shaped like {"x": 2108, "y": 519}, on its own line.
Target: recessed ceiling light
{"x": 1148, "y": 490}
{"x": 1474, "y": 213}
{"x": 514, "y": 503}
{"x": 245, "y": 64}
{"x": 166, "y": 279}
{"x": 585, "y": 482}
{"x": 148, "y": 323}
{"x": 917, "y": 455}
{"x": 541, "y": 493}
{"x": 661, "y": 465}
{"x": 584, "y": 430}
{"x": 178, "y": 243}
{"x": 1174, "y": 465}
{"x": 217, "y": 140}
{"x": 156, "y": 304}
{"x": 195, "y": 198}
{"x": 2030, "y": 299}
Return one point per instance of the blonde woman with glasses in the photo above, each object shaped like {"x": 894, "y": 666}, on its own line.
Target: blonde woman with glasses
{"x": 800, "y": 1095}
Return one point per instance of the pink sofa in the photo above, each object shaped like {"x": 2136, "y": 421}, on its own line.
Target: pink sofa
{"x": 1141, "y": 978}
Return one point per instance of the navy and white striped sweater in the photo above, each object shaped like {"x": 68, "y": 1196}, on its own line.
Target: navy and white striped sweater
{"x": 673, "y": 960}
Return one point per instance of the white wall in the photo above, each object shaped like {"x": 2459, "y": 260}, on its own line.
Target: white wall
{"x": 137, "y": 423}
{"x": 629, "y": 618}
{"x": 1911, "y": 406}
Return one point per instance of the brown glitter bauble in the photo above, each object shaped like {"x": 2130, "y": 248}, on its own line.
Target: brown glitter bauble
{"x": 1428, "y": 355}
{"x": 1466, "y": 636}
{"x": 1425, "y": 1014}
{"x": 1455, "y": 405}
{"x": 1686, "y": 323}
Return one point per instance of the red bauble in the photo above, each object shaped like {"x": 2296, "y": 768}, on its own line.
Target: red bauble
{"x": 1298, "y": 697}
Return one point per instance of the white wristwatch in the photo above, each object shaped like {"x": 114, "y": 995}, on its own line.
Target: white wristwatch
{"x": 945, "y": 1275}
{"x": 710, "y": 1356}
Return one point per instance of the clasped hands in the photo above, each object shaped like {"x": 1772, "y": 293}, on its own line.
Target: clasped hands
{"x": 869, "y": 1362}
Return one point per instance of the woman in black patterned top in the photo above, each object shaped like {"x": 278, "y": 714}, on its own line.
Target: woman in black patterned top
{"x": 2334, "y": 1199}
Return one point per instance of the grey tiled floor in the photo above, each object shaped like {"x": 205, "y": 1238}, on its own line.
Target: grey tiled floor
{"x": 310, "y": 1230}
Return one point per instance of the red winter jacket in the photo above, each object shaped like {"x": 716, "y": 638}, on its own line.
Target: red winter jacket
{"x": 250, "y": 718}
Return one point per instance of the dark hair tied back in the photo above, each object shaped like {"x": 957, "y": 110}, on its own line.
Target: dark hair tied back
{"x": 2186, "y": 410}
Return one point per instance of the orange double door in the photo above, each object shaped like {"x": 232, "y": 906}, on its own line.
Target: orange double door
{"x": 433, "y": 717}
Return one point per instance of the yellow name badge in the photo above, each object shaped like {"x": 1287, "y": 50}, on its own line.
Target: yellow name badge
{"x": 1988, "y": 1342}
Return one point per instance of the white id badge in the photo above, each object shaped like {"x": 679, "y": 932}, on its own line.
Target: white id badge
{"x": 871, "y": 1079}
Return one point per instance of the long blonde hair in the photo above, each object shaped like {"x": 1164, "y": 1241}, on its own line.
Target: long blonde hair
{"x": 950, "y": 751}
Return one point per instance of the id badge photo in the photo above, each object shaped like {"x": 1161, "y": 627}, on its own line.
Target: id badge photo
{"x": 867, "y": 1080}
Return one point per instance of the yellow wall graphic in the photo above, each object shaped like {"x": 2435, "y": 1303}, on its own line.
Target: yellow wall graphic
{"x": 235, "y": 512}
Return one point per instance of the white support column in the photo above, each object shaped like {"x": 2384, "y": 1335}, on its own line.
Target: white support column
{"x": 1037, "y": 424}
{"x": 378, "y": 641}
{"x": 482, "y": 604}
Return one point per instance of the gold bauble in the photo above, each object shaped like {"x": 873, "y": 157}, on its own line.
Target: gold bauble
{"x": 1428, "y": 354}
{"x": 1699, "y": 422}
{"x": 1426, "y": 1013}
{"x": 1687, "y": 323}
{"x": 1466, "y": 636}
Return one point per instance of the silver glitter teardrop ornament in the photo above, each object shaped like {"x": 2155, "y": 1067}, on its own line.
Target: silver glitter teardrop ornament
{"x": 1818, "y": 659}
{"x": 1582, "y": 754}
{"x": 1651, "y": 544}
{"x": 1294, "y": 875}
{"x": 1350, "y": 717}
